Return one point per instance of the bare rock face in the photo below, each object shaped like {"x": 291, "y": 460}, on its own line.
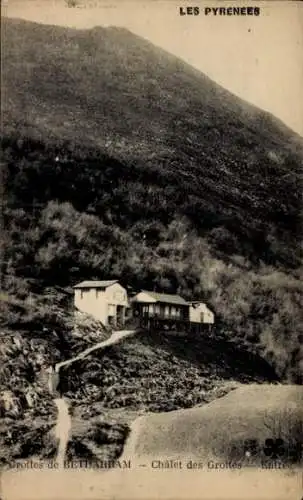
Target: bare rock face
{"x": 26, "y": 406}
{"x": 9, "y": 404}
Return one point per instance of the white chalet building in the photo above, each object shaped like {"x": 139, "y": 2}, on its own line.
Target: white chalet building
{"x": 105, "y": 300}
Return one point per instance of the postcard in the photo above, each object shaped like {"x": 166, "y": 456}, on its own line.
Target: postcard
{"x": 151, "y": 223}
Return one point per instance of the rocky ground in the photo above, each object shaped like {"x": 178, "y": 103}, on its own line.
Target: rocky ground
{"x": 32, "y": 338}
{"x": 149, "y": 373}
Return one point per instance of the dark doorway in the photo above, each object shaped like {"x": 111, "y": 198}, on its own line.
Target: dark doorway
{"x": 120, "y": 315}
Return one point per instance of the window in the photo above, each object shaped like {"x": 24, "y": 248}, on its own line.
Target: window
{"x": 119, "y": 296}
{"x": 83, "y": 292}
{"x": 178, "y": 312}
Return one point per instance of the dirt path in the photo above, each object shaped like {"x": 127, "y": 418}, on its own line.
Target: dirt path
{"x": 62, "y": 429}
{"x": 63, "y": 426}
{"x": 114, "y": 339}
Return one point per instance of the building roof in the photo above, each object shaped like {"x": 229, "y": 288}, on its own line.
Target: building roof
{"x": 166, "y": 298}
{"x": 95, "y": 284}
{"x": 196, "y": 303}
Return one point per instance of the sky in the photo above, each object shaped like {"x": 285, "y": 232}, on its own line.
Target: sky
{"x": 258, "y": 58}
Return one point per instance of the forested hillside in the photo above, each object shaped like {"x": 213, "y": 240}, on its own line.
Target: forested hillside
{"x": 121, "y": 161}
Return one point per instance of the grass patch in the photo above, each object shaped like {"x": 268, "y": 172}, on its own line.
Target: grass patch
{"x": 255, "y": 418}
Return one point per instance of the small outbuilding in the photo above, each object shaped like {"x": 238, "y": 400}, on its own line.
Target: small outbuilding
{"x": 106, "y": 300}
{"x": 200, "y": 313}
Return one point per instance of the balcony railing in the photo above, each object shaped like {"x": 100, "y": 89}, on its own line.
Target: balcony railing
{"x": 164, "y": 316}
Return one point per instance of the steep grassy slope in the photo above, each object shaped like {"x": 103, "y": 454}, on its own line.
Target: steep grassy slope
{"x": 220, "y": 430}
{"x": 181, "y": 140}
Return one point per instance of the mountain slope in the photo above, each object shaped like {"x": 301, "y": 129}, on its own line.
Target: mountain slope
{"x": 233, "y": 165}
{"x": 124, "y": 162}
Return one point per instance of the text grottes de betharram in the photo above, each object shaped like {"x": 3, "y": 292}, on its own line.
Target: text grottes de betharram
{"x": 219, "y": 11}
